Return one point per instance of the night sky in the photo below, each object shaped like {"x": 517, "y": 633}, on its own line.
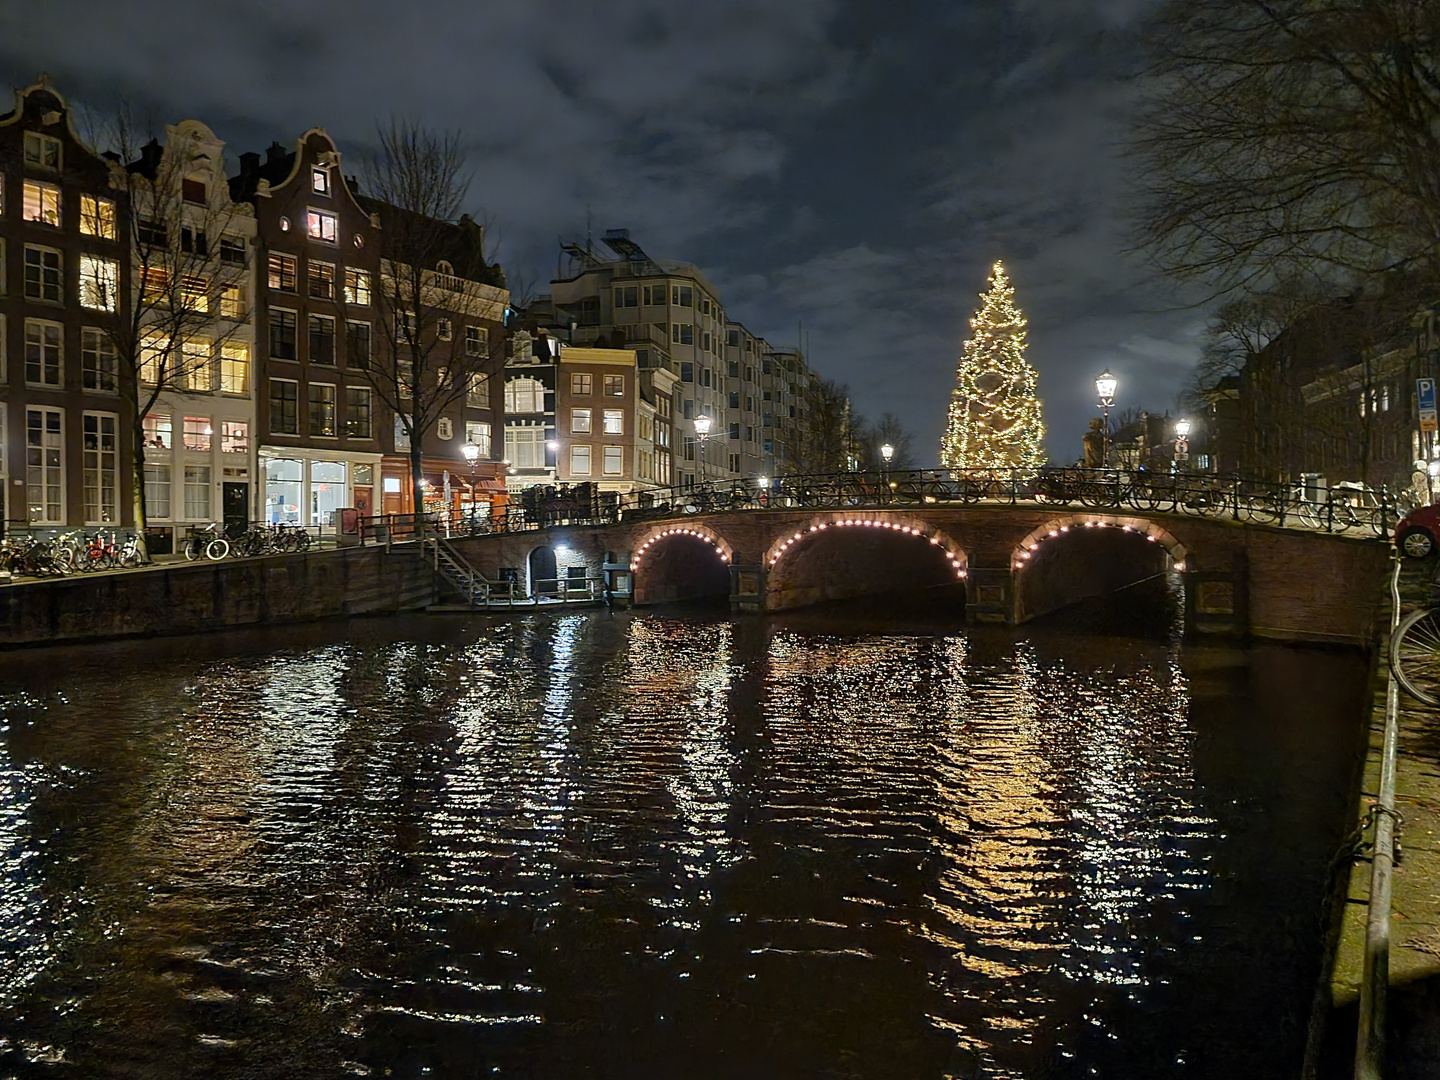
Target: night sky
{"x": 855, "y": 167}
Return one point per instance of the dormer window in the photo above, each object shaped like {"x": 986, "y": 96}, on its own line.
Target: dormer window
{"x": 321, "y": 226}
{"x": 320, "y": 180}
{"x": 443, "y": 267}
{"x": 41, "y": 151}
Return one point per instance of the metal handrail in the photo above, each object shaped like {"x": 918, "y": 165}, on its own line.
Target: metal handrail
{"x": 1104, "y": 490}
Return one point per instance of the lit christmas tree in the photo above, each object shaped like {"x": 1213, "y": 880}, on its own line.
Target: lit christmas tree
{"x": 994, "y": 418}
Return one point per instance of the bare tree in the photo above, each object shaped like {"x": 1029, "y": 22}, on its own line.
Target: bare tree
{"x": 1287, "y": 135}
{"x": 828, "y": 443}
{"x": 888, "y": 431}
{"x": 186, "y": 276}
{"x": 434, "y": 275}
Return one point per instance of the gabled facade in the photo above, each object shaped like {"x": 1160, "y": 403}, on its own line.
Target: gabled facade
{"x": 63, "y": 219}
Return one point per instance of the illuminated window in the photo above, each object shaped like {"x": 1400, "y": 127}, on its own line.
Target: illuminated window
{"x": 97, "y": 217}
{"x": 321, "y": 226}
{"x": 41, "y": 151}
{"x": 322, "y": 409}
{"x": 100, "y": 467}
{"x": 232, "y": 302}
{"x": 357, "y": 287}
{"x": 614, "y": 421}
{"x": 580, "y": 383}
{"x": 580, "y": 421}
{"x": 157, "y": 491}
{"x": 525, "y": 446}
{"x": 234, "y": 437}
{"x": 283, "y": 270}
{"x": 99, "y": 280}
{"x": 580, "y": 460}
{"x": 477, "y": 432}
{"x": 45, "y": 465}
{"x": 478, "y": 394}
{"x": 357, "y": 412}
{"x": 196, "y": 371}
{"x": 154, "y": 284}
{"x": 524, "y": 396}
{"x": 443, "y": 329}
{"x": 320, "y": 180}
{"x": 613, "y": 462}
{"x": 195, "y": 294}
{"x": 234, "y": 369}
{"x": 157, "y": 431}
{"x": 197, "y": 492}
{"x": 197, "y": 432}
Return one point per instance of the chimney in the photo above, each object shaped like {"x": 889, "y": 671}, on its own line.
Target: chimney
{"x": 275, "y": 155}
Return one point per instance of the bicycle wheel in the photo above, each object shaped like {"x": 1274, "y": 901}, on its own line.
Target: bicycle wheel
{"x": 1415, "y": 655}
{"x": 192, "y": 549}
{"x": 217, "y": 549}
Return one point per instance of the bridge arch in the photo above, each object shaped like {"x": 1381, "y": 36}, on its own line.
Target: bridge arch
{"x": 681, "y": 562}
{"x": 1063, "y": 524}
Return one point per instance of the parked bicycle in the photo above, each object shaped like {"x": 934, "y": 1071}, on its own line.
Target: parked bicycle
{"x": 208, "y": 541}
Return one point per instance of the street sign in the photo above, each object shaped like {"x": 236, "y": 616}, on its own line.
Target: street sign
{"x": 1425, "y": 399}
{"x": 1181, "y": 448}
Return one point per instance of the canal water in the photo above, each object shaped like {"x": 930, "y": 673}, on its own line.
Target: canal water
{"x": 667, "y": 845}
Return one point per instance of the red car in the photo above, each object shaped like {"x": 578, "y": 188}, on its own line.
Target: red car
{"x": 1418, "y": 533}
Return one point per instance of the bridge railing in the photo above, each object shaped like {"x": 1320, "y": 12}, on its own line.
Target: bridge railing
{"x": 1357, "y": 511}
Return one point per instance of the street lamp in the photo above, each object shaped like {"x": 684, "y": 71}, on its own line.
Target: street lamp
{"x": 471, "y": 454}
{"x": 702, "y": 432}
{"x": 1182, "y": 444}
{"x": 886, "y": 453}
{"x": 1105, "y": 389}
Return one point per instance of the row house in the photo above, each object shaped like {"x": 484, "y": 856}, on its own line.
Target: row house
{"x": 615, "y": 420}
{"x": 64, "y": 434}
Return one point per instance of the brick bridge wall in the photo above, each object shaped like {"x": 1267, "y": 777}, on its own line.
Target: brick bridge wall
{"x": 1285, "y": 584}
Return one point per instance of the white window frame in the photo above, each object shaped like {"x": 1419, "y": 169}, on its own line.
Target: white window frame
{"x": 269, "y": 406}
{"x": 192, "y": 509}
{"x": 353, "y": 396}
{"x": 322, "y": 226}
{"x": 320, "y": 179}
{"x": 527, "y": 452}
{"x": 477, "y": 341}
{"x": 106, "y": 510}
{"x": 97, "y": 217}
{"x": 156, "y": 482}
{"x": 43, "y": 469}
{"x": 580, "y": 459}
{"x": 310, "y": 405}
{"x": 357, "y": 286}
{"x": 613, "y": 422}
{"x": 477, "y": 433}
{"x": 616, "y": 454}
{"x": 95, "y": 346}
{"x": 59, "y": 298}
{"x": 234, "y": 356}
{"x": 45, "y": 324}
{"x": 99, "y": 282}
{"x": 38, "y": 146}
{"x": 40, "y": 203}
{"x": 580, "y": 421}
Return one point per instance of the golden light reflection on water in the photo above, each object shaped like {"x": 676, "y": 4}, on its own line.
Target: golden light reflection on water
{"x": 590, "y": 841}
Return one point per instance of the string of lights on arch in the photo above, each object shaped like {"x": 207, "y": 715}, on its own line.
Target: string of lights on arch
{"x": 1031, "y": 544}
{"x": 705, "y": 538}
{"x": 956, "y": 559}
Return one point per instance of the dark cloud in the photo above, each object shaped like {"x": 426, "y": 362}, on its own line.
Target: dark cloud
{"x": 854, "y": 167}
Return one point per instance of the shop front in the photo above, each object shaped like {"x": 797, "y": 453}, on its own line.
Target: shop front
{"x": 310, "y": 487}
{"x": 480, "y": 493}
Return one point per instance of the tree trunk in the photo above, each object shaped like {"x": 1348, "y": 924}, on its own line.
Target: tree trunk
{"x": 137, "y": 490}
{"x": 417, "y": 482}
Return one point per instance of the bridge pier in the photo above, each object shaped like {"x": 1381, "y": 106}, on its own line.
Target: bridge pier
{"x": 747, "y": 588}
{"x": 1217, "y": 597}
{"x": 990, "y": 594}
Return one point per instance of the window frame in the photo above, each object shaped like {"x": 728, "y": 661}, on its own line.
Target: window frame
{"x": 580, "y": 421}
{"x": 577, "y": 452}
{"x": 315, "y": 226}
{"x": 323, "y": 407}
{"x": 40, "y": 296}
{"x": 59, "y": 351}
{"x": 294, "y": 402}
{"x": 358, "y": 403}
{"x": 615, "y": 417}
{"x": 94, "y": 377}
{"x": 45, "y": 193}
{"x": 618, "y": 454}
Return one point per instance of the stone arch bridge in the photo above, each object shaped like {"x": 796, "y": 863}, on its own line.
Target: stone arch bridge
{"x": 1016, "y": 560}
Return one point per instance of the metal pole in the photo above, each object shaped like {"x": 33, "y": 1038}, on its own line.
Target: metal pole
{"x": 1105, "y": 437}
{"x": 1370, "y": 1039}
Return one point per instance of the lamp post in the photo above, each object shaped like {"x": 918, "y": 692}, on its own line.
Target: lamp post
{"x": 702, "y": 432}
{"x": 1105, "y": 389}
{"x": 886, "y": 453}
{"x": 1182, "y": 444}
{"x": 471, "y": 453}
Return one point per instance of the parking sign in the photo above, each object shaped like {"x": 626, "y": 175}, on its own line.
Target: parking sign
{"x": 1425, "y": 398}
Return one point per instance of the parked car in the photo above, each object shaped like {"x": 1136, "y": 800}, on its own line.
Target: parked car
{"x": 1418, "y": 532}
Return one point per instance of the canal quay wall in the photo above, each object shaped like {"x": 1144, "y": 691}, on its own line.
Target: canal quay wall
{"x": 184, "y": 598}
{"x": 1413, "y": 1006}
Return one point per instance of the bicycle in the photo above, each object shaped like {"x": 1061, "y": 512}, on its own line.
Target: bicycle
{"x": 209, "y": 541}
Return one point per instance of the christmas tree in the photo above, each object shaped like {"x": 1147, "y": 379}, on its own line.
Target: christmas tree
{"x": 994, "y": 418}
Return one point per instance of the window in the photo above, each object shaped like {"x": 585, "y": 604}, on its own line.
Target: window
{"x": 232, "y": 302}
{"x": 195, "y": 294}
{"x": 357, "y": 287}
{"x": 97, "y": 217}
{"x": 41, "y": 203}
{"x": 682, "y": 296}
{"x": 477, "y": 432}
{"x": 735, "y": 431}
{"x": 477, "y": 396}
{"x": 442, "y": 329}
{"x": 322, "y": 280}
{"x": 157, "y": 431}
{"x": 580, "y": 460}
{"x": 357, "y": 412}
{"x": 41, "y": 151}
{"x": 322, "y": 409}
{"x": 232, "y": 250}
{"x": 402, "y": 435}
{"x": 100, "y": 468}
{"x": 614, "y": 421}
{"x": 43, "y": 280}
{"x": 154, "y": 284}
{"x": 197, "y": 492}
{"x": 97, "y": 360}
{"x": 282, "y": 272}
{"x": 477, "y": 341}
{"x": 687, "y": 371}
{"x": 682, "y": 333}
{"x": 193, "y": 191}
{"x": 580, "y": 421}
{"x": 732, "y": 339}
{"x": 580, "y": 383}
{"x": 614, "y": 385}
{"x": 234, "y": 369}
{"x": 321, "y": 226}
{"x": 322, "y": 339}
{"x": 705, "y": 342}
{"x": 196, "y": 370}
{"x": 196, "y": 433}
{"x": 282, "y": 335}
{"x": 45, "y": 465}
{"x": 613, "y": 463}
{"x": 234, "y": 437}
{"x": 157, "y": 491}
{"x": 357, "y": 345}
{"x": 525, "y": 446}
{"x": 284, "y": 407}
{"x": 407, "y": 327}
{"x": 734, "y": 399}
{"x": 192, "y": 241}
{"x": 99, "y": 279}
{"x": 627, "y": 296}
{"x": 445, "y": 428}
{"x": 524, "y": 396}
{"x": 654, "y": 295}
{"x": 150, "y": 234}
{"x": 320, "y": 180}
{"x": 43, "y": 352}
